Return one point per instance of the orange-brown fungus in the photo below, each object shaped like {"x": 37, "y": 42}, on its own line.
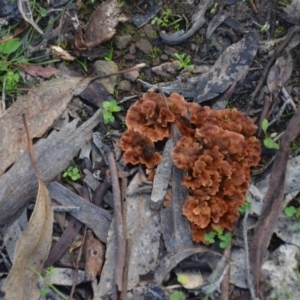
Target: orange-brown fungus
{"x": 217, "y": 150}
{"x": 143, "y": 150}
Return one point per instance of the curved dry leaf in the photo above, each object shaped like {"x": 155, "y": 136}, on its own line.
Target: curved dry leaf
{"x": 101, "y": 25}
{"x": 25, "y": 10}
{"x": 171, "y": 260}
{"x": 198, "y": 21}
{"x": 60, "y": 53}
{"x": 279, "y": 74}
{"x": 32, "y": 250}
{"x": 230, "y": 67}
{"x": 216, "y": 21}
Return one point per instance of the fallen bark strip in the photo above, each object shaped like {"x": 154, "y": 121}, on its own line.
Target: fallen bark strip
{"x": 94, "y": 217}
{"x": 19, "y": 184}
{"x": 67, "y": 237}
{"x": 273, "y": 200}
{"x": 119, "y": 223}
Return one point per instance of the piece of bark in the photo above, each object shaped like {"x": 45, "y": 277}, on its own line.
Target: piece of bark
{"x": 91, "y": 215}
{"x": 68, "y": 236}
{"x": 106, "y": 284}
{"x": 143, "y": 233}
{"x": 64, "y": 242}
{"x": 19, "y": 184}
{"x": 162, "y": 176}
{"x": 120, "y": 229}
{"x": 94, "y": 256}
{"x": 273, "y": 200}
{"x": 174, "y": 225}
{"x": 42, "y": 106}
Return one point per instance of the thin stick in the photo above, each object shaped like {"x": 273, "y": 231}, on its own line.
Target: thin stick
{"x": 3, "y": 106}
{"x": 77, "y": 264}
{"x": 119, "y": 225}
{"x": 248, "y": 274}
{"x": 253, "y": 6}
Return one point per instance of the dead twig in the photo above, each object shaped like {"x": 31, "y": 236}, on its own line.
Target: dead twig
{"x": 273, "y": 200}
{"x": 77, "y": 264}
{"x": 3, "y": 105}
{"x": 253, "y": 6}
{"x": 119, "y": 223}
{"x": 246, "y": 247}
{"x": 225, "y": 290}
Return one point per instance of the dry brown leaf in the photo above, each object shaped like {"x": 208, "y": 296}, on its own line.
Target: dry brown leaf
{"x": 42, "y": 106}
{"x": 31, "y": 251}
{"x": 36, "y": 70}
{"x": 279, "y": 74}
{"x": 60, "y": 53}
{"x": 101, "y": 26}
{"x": 94, "y": 256}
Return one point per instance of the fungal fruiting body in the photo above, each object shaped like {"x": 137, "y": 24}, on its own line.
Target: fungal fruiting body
{"x": 217, "y": 150}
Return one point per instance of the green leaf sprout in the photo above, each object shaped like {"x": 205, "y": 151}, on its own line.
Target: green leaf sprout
{"x": 109, "y": 107}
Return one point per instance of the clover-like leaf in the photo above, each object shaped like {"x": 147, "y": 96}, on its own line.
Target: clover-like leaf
{"x": 290, "y": 211}
{"x": 210, "y": 237}
{"x": 226, "y": 239}
{"x": 177, "y": 295}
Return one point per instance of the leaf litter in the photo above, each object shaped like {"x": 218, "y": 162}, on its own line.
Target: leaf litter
{"x": 226, "y": 73}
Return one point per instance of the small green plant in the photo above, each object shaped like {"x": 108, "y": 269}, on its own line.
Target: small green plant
{"x": 184, "y": 61}
{"x": 11, "y": 58}
{"x": 154, "y": 52}
{"x": 83, "y": 64}
{"x": 46, "y": 279}
{"x": 268, "y": 142}
{"x": 293, "y": 212}
{"x": 12, "y": 79}
{"x": 109, "y": 107}
{"x": 214, "y": 9}
{"x": 8, "y": 72}
{"x": 121, "y": 4}
{"x": 110, "y": 54}
{"x": 263, "y": 28}
{"x": 225, "y": 238}
{"x": 167, "y": 20}
{"x": 72, "y": 173}
{"x": 279, "y": 31}
{"x": 177, "y": 295}
{"x": 244, "y": 207}
{"x": 154, "y": 34}
{"x": 293, "y": 146}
